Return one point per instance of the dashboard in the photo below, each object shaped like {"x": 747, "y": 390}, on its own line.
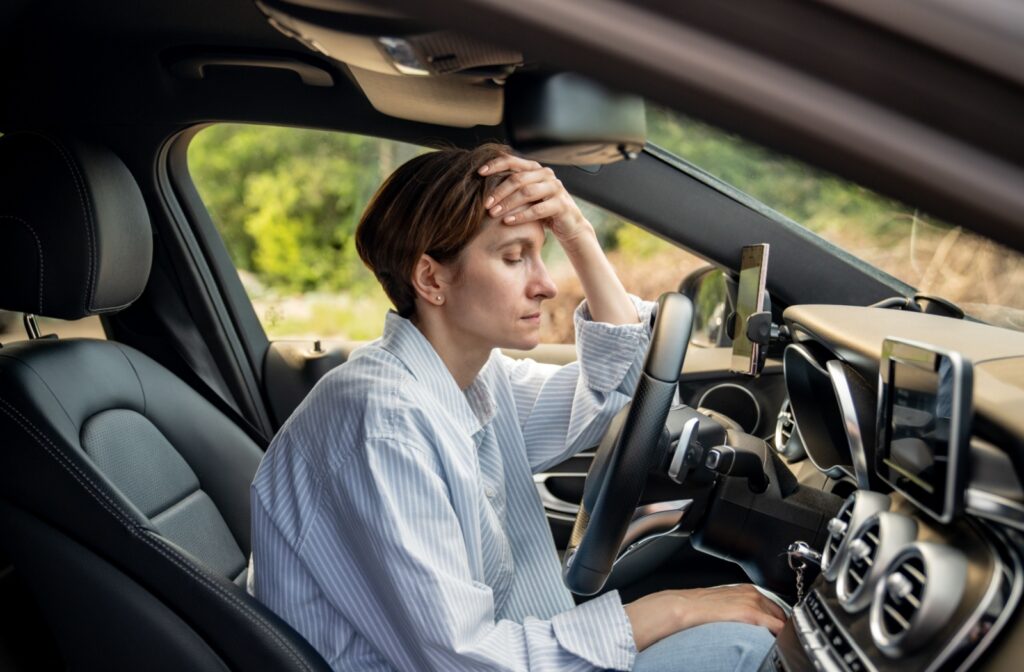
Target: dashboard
{"x": 921, "y": 569}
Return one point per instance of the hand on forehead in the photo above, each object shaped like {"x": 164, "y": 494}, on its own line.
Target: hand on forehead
{"x": 527, "y": 183}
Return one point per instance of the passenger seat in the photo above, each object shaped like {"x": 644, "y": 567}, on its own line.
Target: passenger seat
{"x": 124, "y": 495}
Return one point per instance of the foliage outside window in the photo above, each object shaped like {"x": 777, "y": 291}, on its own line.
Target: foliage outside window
{"x": 981, "y": 276}
{"x": 287, "y": 202}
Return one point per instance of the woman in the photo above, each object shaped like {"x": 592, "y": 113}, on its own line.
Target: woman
{"x": 395, "y": 520}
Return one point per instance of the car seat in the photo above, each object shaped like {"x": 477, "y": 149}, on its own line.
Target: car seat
{"x": 124, "y": 494}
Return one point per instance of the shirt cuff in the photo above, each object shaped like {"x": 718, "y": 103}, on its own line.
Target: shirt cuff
{"x": 599, "y": 632}
{"x": 607, "y": 352}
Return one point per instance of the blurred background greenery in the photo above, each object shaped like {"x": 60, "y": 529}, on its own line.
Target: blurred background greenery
{"x": 287, "y": 202}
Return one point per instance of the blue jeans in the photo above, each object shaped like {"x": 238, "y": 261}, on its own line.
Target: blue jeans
{"x": 713, "y": 647}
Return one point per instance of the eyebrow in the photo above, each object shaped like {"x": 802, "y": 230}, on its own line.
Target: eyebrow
{"x": 521, "y": 240}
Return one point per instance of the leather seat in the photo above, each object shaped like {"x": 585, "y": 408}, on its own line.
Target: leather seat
{"x": 124, "y": 494}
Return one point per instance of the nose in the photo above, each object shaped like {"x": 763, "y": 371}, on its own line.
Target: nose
{"x": 541, "y": 285}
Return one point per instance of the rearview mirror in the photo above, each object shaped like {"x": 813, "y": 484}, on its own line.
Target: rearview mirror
{"x": 567, "y": 119}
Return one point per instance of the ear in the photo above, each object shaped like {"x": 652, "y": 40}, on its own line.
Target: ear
{"x": 430, "y": 279}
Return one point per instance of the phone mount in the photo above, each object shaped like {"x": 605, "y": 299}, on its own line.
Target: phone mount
{"x": 761, "y": 330}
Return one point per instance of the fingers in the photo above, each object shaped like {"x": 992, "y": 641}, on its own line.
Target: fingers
{"x": 772, "y": 608}
{"x": 521, "y": 187}
{"x": 773, "y": 624}
{"x": 530, "y": 192}
{"x": 508, "y": 162}
{"x": 535, "y": 212}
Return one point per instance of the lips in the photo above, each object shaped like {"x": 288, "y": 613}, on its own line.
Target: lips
{"x": 532, "y": 317}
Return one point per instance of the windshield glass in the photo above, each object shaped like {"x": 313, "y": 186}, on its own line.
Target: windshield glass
{"x": 939, "y": 259}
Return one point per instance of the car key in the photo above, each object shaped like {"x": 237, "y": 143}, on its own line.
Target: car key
{"x": 799, "y": 553}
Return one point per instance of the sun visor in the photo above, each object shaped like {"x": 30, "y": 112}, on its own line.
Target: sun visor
{"x": 565, "y": 118}
{"x": 406, "y": 70}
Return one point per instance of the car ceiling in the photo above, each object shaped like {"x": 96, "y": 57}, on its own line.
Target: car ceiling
{"x": 841, "y": 85}
{"x": 67, "y": 64}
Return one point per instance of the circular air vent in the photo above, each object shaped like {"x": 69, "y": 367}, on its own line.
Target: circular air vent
{"x": 857, "y": 508}
{"x": 838, "y": 529}
{"x": 869, "y": 552}
{"x": 905, "y": 612}
{"x": 787, "y": 439}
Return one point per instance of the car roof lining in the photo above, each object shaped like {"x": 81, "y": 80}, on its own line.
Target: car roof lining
{"x": 66, "y": 64}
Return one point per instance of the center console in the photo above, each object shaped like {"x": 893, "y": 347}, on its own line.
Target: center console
{"x": 910, "y": 581}
{"x": 898, "y": 592}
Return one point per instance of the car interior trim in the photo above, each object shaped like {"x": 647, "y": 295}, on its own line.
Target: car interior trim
{"x": 852, "y": 423}
{"x": 551, "y": 501}
{"x": 1012, "y": 577}
{"x": 748, "y": 393}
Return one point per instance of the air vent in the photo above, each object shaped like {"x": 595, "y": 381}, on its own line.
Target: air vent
{"x": 859, "y": 507}
{"x": 868, "y": 552}
{"x": 905, "y": 612}
{"x": 838, "y": 529}
{"x": 862, "y": 558}
{"x": 904, "y": 588}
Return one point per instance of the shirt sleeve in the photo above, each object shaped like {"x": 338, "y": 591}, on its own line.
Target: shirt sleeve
{"x": 388, "y": 552}
{"x": 563, "y": 410}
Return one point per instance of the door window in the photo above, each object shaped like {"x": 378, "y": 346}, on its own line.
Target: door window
{"x": 287, "y": 202}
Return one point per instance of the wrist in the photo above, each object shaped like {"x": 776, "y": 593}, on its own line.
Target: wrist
{"x": 582, "y": 236}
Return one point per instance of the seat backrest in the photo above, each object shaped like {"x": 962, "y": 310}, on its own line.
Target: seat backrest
{"x": 123, "y": 492}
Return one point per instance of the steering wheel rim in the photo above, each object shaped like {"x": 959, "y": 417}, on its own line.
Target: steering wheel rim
{"x": 618, "y": 474}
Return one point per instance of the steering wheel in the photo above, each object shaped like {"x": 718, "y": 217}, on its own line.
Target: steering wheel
{"x": 618, "y": 473}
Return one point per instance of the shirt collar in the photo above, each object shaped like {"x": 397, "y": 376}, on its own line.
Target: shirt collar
{"x": 471, "y": 409}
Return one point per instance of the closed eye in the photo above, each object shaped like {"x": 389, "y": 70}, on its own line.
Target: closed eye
{"x": 511, "y": 261}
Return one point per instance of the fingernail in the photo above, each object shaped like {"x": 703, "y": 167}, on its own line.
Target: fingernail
{"x": 510, "y": 219}
{"x": 487, "y": 203}
{"x": 484, "y": 169}
{"x": 496, "y": 210}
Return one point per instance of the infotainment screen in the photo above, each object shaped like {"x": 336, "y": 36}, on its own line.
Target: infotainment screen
{"x": 749, "y": 300}
{"x": 924, "y": 424}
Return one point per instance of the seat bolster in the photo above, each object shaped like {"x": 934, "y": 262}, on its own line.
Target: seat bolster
{"x": 221, "y": 454}
{"x": 66, "y": 491}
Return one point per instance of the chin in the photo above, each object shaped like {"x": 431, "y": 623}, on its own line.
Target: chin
{"x": 525, "y": 342}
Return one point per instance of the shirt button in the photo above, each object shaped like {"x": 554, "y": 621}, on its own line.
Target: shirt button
{"x": 490, "y": 492}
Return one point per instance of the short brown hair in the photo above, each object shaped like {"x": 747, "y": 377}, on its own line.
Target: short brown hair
{"x": 432, "y": 204}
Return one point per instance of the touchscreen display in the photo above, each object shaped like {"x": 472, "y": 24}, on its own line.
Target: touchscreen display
{"x": 749, "y": 300}
{"x": 925, "y": 430}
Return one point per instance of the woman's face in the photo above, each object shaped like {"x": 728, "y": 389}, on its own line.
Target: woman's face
{"x": 500, "y": 282}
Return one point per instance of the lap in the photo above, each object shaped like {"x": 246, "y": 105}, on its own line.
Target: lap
{"x": 713, "y": 647}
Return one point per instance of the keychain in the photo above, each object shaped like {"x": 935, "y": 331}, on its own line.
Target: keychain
{"x": 798, "y": 554}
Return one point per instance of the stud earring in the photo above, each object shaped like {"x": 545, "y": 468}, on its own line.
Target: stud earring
{"x": 440, "y": 299}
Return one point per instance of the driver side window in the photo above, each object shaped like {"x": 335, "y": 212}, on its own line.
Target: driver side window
{"x": 287, "y": 201}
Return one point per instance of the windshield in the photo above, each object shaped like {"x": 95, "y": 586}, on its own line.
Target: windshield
{"x": 939, "y": 259}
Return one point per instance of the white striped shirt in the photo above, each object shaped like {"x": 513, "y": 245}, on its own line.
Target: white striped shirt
{"x": 395, "y": 520}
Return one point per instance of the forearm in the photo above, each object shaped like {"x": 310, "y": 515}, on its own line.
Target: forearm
{"x": 606, "y": 297}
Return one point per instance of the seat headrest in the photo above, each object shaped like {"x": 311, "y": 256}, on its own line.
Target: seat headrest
{"x": 75, "y": 237}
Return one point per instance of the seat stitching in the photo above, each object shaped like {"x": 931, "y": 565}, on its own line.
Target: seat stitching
{"x": 142, "y": 534}
{"x": 181, "y": 501}
{"x": 39, "y": 249}
{"x": 142, "y": 387}
{"x": 83, "y": 198}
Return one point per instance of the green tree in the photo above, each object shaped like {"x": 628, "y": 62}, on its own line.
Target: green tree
{"x": 287, "y": 201}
